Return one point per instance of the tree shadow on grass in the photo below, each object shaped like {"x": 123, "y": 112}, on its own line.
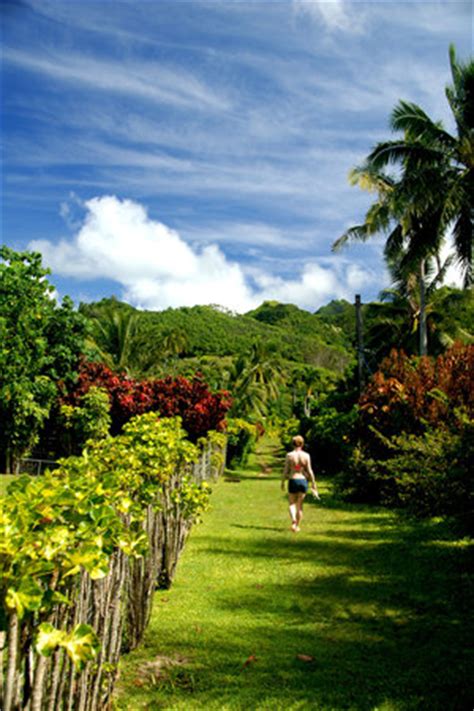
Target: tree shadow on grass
{"x": 386, "y": 617}
{"x": 257, "y": 528}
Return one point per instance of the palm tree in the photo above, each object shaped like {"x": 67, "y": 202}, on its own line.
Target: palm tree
{"x": 393, "y": 214}
{"x": 175, "y": 342}
{"x": 395, "y": 320}
{"x": 432, "y": 192}
{"x": 256, "y": 379}
{"x": 438, "y": 166}
{"x": 114, "y": 330}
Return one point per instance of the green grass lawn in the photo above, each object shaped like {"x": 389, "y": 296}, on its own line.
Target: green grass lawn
{"x": 377, "y": 605}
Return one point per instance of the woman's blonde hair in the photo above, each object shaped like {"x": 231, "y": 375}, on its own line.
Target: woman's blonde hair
{"x": 298, "y": 441}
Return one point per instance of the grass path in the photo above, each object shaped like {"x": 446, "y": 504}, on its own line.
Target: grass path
{"x": 378, "y": 606}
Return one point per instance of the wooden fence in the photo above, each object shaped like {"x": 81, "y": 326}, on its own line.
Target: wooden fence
{"x": 117, "y": 607}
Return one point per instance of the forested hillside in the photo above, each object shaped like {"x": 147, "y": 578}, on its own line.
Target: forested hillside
{"x": 146, "y": 342}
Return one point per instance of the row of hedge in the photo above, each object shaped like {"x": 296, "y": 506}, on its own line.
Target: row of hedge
{"x": 81, "y": 551}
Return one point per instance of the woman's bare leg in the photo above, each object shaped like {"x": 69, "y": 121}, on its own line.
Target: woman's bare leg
{"x": 293, "y": 510}
{"x": 299, "y": 509}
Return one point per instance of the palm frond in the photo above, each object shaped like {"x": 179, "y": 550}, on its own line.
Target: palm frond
{"x": 358, "y": 233}
{"x": 370, "y": 179}
{"x": 394, "y": 243}
{"x": 440, "y": 275}
{"x": 398, "y": 152}
{"x": 418, "y": 127}
{"x": 463, "y": 240}
{"x": 460, "y": 94}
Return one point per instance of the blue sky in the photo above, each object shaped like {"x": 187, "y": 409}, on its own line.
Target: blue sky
{"x": 174, "y": 153}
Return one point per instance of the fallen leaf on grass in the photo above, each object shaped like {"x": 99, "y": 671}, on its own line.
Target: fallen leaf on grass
{"x": 250, "y": 660}
{"x": 305, "y": 658}
{"x": 259, "y": 586}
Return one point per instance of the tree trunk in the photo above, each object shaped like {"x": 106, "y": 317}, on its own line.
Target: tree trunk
{"x": 13, "y": 662}
{"x": 423, "y": 333}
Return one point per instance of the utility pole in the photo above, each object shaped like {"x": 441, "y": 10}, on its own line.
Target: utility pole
{"x": 360, "y": 343}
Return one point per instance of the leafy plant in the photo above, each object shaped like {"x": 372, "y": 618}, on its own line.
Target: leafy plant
{"x": 40, "y": 344}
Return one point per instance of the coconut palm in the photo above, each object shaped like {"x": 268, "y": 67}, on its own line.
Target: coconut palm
{"x": 407, "y": 244}
{"x": 394, "y": 321}
{"x": 438, "y": 166}
{"x": 432, "y": 191}
{"x": 175, "y": 342}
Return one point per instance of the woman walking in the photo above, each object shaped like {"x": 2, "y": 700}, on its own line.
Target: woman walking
{"x": 298, "y": 472}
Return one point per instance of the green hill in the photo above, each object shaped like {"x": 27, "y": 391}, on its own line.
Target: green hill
{"x": 210, "y": 338}
{"x": 207, "y": 332}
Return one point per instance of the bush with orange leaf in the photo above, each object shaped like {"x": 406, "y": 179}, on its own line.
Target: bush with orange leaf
{"x": 416, "y": 435}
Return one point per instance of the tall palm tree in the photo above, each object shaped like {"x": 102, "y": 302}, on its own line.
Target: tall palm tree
{"x": 395, "y": 320}
{"x": 433, "y": 190}
{"x": 394, "y": 215}
{"x": 438, "y": 166}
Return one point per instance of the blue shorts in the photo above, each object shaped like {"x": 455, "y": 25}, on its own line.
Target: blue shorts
{"x": 297, "y": 486}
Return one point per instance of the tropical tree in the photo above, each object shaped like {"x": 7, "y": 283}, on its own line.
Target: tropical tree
{"x": 394, "y": 321}
{"x": 430, "y": 194}
{"x": 257, "y": 378}
{"x": 175, "y": 342}
{"x": 114, "y": 327}
{"x": 439, "y": 165}
{"x": 40, "y": 345}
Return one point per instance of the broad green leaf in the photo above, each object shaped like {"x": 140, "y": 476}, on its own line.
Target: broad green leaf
{"x": 48, "y": 639}
{"x": 82, "y": 645}
{"x": 26, "y": 598}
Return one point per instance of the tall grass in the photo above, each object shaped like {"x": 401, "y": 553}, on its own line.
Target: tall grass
{"x": 360, "y": 610}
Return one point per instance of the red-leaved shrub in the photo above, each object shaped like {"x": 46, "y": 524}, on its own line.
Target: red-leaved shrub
{"x": 200, "y": 409}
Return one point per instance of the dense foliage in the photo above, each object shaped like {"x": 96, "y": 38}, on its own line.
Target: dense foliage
{"x": 61, "y": 532}
{"x": 40, "y": 345}
{"x": 199, "y": 408}
{"x": 415, "y": 435}
{"x": 149, "y": 343}
{"x": 413, "y": 394}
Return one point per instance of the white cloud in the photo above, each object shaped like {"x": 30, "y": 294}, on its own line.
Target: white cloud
{"x": 148, "y": 81}
{"x": 157, "y": 268}
{"x": 333, "y": 14}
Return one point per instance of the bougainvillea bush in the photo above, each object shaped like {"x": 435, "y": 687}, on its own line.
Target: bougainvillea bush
{"x": 416, "y": 435}
{"x": 200, "y": 409}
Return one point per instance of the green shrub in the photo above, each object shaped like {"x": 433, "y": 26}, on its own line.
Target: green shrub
{"x": 428, "y": 474}
{"x": 330, "y": 436}
{"x": 241, "y": 441}
{"x": 360, "y": 481}
{"x": 287, "y": 430}
{"x": 90, "y": 420}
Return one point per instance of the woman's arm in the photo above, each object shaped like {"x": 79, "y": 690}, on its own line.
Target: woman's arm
{"x": 286, "y": 471}
{"x": 314, "y": 488}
